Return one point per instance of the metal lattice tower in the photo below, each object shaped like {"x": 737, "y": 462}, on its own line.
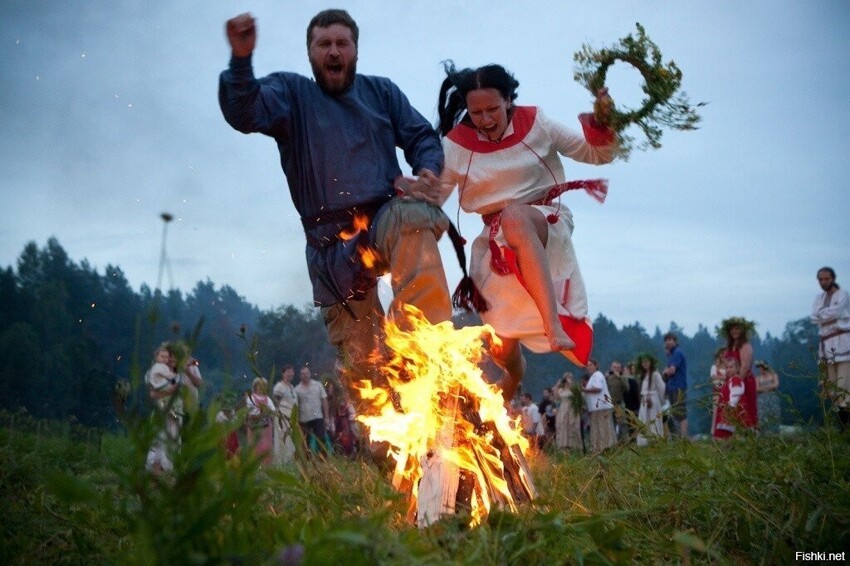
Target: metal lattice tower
{"x": 164, "y": 262}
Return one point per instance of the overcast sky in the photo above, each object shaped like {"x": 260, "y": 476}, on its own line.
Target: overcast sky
{"x": 110, "y": 116}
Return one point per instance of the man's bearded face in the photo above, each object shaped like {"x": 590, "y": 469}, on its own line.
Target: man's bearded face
{"x": 333, "y": 57}
{"x": 826, "y": 280}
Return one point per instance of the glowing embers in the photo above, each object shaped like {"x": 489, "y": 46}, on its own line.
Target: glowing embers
{"x": 452, "y": 441}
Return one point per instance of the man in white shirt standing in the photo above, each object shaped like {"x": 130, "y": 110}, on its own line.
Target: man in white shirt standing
{"x": 600, "y": 410}
{"x": 831, "y": 312}
{"x": 313, "y": 414}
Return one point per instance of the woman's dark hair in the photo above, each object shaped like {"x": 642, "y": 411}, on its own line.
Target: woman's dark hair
{"x": 451, "y": 105}
{"x": 732, "y": 344}
{"x": 653, "y": 364}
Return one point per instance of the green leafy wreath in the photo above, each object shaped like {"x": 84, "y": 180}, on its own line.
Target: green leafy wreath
{"x": 663, "y": 105}
{"x": 748, "y": 327}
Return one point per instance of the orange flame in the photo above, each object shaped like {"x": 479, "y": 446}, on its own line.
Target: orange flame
{"x": 440, "y": 415}
{"x": 369, "y": 256}
{"x": 359, "y": 223}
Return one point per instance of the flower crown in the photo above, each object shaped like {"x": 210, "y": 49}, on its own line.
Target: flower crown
{"x": 664, "y": 106}
{"x": 748, "y": 327}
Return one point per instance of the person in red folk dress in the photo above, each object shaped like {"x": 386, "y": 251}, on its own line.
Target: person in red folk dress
{"x": 737, "y": 332}
{"x": 730, "y": 413}
{"x": 505, "y": 161}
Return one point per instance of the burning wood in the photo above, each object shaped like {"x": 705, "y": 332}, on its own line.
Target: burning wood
{"x": 454, "y": 445}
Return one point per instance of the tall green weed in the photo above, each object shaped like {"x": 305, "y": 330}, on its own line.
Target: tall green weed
{"x": 753, "y": 500}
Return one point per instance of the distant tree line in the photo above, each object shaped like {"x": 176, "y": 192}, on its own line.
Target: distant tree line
{"x": 68, "y": 333}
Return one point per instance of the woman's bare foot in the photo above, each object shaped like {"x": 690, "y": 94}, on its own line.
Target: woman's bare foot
{"x": 558, "y": 339}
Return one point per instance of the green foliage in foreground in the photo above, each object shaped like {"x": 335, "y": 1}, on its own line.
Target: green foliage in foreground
{"x": 69, "y": 497}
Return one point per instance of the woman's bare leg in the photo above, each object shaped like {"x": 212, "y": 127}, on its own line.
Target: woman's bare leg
{"x": 526, "y": 231}
{"x": 509, "y": 357}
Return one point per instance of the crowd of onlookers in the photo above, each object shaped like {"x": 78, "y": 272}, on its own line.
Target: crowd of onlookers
{"x": 640, "y": 401}
{"x": 645, "y": 400}
{"x": 325, "y": 416}
{"x": 325, "y": 421}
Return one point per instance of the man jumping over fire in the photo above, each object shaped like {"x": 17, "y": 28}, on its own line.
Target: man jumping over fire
{"x": 337, "y": 136}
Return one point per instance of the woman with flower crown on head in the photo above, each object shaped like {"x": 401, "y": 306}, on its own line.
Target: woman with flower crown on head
{"x": 505, "y": 161}
{"x": 737, "y": 331}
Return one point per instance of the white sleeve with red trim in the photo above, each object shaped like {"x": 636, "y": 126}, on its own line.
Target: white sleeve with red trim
{"x": 572, "y": 144}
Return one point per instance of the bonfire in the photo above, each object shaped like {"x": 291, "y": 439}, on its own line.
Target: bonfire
{"x": 453, "y": 444}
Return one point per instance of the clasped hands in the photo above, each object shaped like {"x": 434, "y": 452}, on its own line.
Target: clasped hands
{"x": 426, "y": 187}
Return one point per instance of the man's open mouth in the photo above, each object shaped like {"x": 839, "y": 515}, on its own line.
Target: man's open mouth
{"x": 334, "y": 69}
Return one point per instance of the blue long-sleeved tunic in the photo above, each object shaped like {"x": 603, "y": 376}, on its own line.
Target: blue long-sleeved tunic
{"x": 336, "y": 152}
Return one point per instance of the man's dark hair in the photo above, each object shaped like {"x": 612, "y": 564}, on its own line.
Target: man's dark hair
{"x": 831, "y": 274}
{"x": 327, "y": 18}
{"x": 672, "y": 336}
{"x": 828, "y": 270}
{"x": 286, "y": 367}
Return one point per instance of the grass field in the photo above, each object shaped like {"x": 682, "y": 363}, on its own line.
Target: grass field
{"x": 73, "y": 495}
